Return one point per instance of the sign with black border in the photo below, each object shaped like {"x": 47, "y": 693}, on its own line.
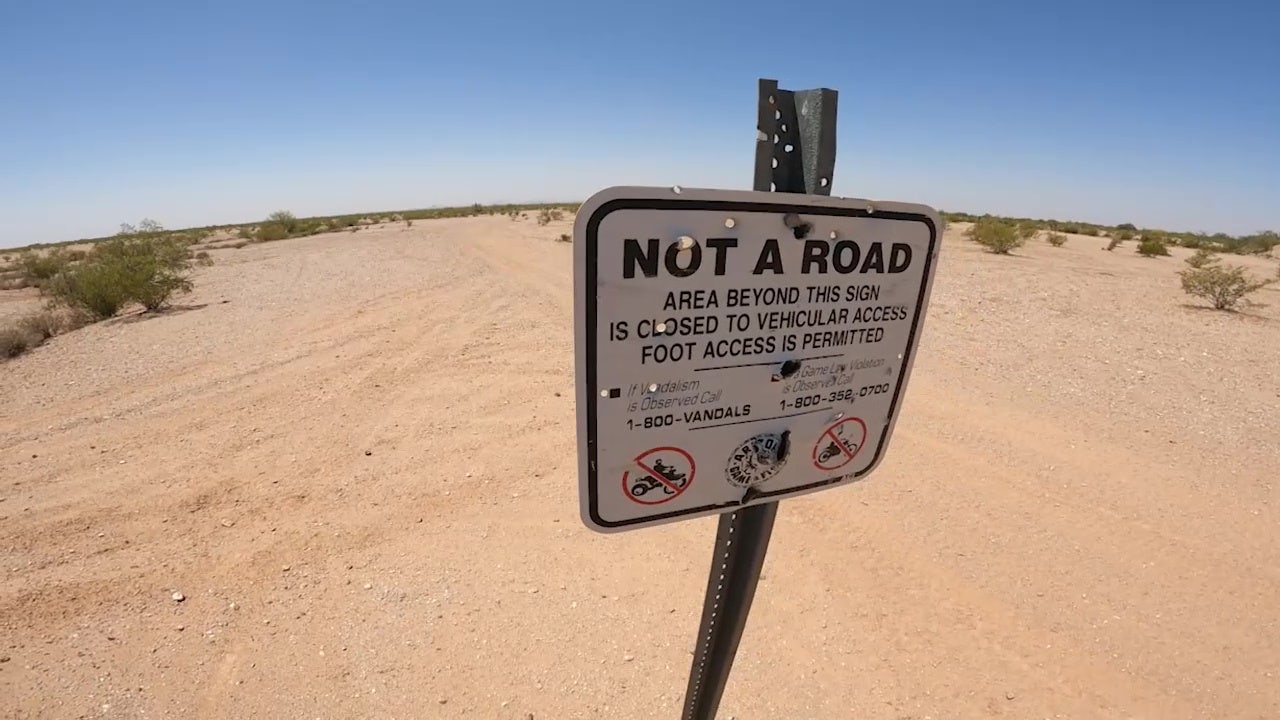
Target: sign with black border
{"x": 744, "y": 331}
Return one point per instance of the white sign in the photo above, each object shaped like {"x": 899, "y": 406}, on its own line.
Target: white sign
{"x": 736, "y": 348}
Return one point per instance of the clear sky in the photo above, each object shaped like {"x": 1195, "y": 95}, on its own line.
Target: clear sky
{"x": 1161, "y": 113}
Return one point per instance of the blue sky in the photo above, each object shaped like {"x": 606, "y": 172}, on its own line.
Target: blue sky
{"x": 1158, "y": 113}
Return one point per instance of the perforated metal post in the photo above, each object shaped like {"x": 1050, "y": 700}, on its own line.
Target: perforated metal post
{"x": 795, "y": 152}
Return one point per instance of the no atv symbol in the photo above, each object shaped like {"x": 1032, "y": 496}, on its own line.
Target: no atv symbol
{"x": 839, "y": 444}
{"x": 661, "y": 474}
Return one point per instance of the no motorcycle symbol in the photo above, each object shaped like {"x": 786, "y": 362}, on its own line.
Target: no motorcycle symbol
{"x": 659, "y": 475}
{"x": 839, "y": 444}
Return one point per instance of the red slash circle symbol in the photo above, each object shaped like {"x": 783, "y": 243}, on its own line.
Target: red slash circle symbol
{"x": 839, "y": 444}
{"x": 659, "y": 475}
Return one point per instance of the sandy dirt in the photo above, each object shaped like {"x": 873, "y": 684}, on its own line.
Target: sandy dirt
{"x": 353, "y": 456}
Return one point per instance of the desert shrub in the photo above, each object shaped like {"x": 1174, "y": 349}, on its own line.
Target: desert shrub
{"x": 203, "y": 258}
{"x": 565, "y": 237}
{"x": 996, "y": 236}
{"x": 245, "y": 234}
{"x": 408, "y": 223}
{"x": 39, "y": 269}
{"x": 1089, "y": 230}
{"x": 98, "y": 289}
{"x": 284, "y": 219}
{"x": 15, "y": 340}
{"x": 1122, "y": 235}
{"x": 271, "y": 231}
{"x": 1056, "y": 239}
{"x": 1202, "y": 257}
{"x": 1127, "y": 226}
{"x": 1223, "y": 286}
{"x": 1152, "y": 247}
{"x": 547, "y": 215}
{"x": 143, "y": 269}
{"x": 1113, "y": 244}
{"x": 44, "y": 324}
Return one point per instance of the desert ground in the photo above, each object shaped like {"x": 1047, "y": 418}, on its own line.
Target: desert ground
{"x": 353, "y": 457}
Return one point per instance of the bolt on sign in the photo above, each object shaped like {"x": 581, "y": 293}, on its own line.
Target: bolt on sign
{"x": 736, "y": 348}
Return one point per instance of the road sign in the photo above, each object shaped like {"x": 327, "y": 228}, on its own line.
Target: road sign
{"x": 763, "y": 338}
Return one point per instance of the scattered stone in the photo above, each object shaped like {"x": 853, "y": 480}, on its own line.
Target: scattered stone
{"x": 628, "y": 658}
{"x": 178, "y": 597}
{"x": 369, "y": 586}
{"x": 4, "y": 658}
{"x": 368, "y": 452}
{"x": 442, "y": 701}
{"x": 1009, "y": 696}
{"x": 180, "y": 628}
{"x": 228, "y": 523}
{"x": 284, "y": 568}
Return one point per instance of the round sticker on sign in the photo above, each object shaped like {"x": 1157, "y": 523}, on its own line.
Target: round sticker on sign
{"x": 756, "y": 460}
{"x": 839, "y": 444}
{"x": 658, "y": 475}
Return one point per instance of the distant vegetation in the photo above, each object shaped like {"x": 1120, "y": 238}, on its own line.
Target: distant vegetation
{"x": 1256, "y": 244}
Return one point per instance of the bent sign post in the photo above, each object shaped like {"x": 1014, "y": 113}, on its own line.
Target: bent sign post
{"x": 736, "y": 348}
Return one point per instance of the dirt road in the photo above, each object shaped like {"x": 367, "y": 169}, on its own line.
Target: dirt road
{"x": 353, "y": 457}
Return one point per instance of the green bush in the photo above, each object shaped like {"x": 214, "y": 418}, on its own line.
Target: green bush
{"x": 143, "y": 269}
{"x": 1127, "y": 226}
{"x": 245, "y": 234}
{"x": 1152, "y": 247}
{"x": 39, "y": 269}
{"x": 271, "y": 231}
{"x": 1056, "y": 239}
{"x": 1223, "y": 286}
{"x": 285, "y": 219}
{"x": 1202, "y": 257}
{"x": 1089, "y": 231}
{"x": 998, "y": 237}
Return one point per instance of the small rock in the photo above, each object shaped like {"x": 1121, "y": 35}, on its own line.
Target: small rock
{"x": 533, "y": 591}
{"x": 284, "y": 568}
{"x": 628, "y": 658}
{"x": 180, "y": 628}
{"x": 178, "y": 597}
{"x": 1009, "y": 696}
{"x": 228, "y": 523}
{"x": 369, "y": 586}
{"x": 442, "y": 701}
{"x": 102, "y": 535}
{"x": 4, "y": 658}
{"x": 368, "y": 452}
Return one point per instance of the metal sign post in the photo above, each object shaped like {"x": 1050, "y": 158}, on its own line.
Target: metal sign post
{"x": 734, "y": 348}
{"x": 795, "y": 153}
